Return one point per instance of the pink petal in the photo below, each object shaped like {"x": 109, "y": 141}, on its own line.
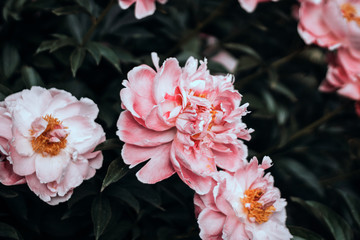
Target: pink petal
{"x": 124, "y": 4}
{"x": 51, "y": 168}
{"x": 131, "y": 132}
{"x": 144, "y": 8}
{"x": 85, "y": 107}
{"x": 7, "y": 176}
{"x": 232, "y": 160}
{"x": 234, "y": 229}
{"x": 137, "y": 95}
{"x": 211, "y": 224}
{"x": 158, "y": 168}
{"x": 22, "y": 165}
{"x": 39, "y": 188}
{"x": 166, "y": 80}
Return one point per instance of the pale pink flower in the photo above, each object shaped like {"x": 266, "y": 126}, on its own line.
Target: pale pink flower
{"x": 54, "y": 136}
{"x": 250, "y": 5}
{"x": 7, "y": 175}
{"x": 331, "y": 24}
{"x": 243, "y": 205}
{"x": 184, "y": 119}
{"x": 143, "y": 8}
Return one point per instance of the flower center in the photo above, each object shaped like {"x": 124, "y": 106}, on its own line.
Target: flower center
{"x": 52, "y": 139}
{"x": 255, "y": 210}
{"x": 349, "y": 13}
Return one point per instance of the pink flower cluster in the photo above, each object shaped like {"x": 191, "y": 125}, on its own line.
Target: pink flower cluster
{"x": 144, "y": 8}
{"x": 47, "y": 141}
{"x": 335, "y": 24}
{"x": 189, "y": 122}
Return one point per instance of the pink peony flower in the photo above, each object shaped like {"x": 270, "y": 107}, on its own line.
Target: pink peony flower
{"x": 7, "y": 175}
{"x": 331, "y": 23}
{"x": 243, "y": 205}
{"x": 184, "y": 119}
{"x": 54, "y": 136}
{"x": 250, "y": 5}
{"x": 343, "y": 76}
{"x": 143, "y": 8}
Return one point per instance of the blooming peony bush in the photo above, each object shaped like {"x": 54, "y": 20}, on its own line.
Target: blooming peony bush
{"x": 179, "y": 123}
{"x": 243, "y": 205}
{"x": 184, "y": 119}
{"x": 54, "y": 136}
{"x": 143, "y": 8}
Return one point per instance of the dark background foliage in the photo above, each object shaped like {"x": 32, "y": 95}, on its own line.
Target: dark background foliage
{"x": 87, "y": 46}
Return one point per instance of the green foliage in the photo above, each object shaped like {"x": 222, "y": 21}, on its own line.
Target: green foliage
{"x": 87, "y": 47}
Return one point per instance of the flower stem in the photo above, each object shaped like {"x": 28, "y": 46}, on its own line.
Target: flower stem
{"x": 307, "y": 129}
{"x": 96, "y": 23}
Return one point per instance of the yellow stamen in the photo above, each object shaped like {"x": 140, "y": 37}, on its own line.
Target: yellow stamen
{"x": 349, "y": 13}
{"x": 253, "y": 208}
{"x": 42, "y": 143}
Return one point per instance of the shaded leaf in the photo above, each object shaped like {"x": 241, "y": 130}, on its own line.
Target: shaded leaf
{"x": 116, "y": 170}
{"x": 76, "y": 59}
{"x": 124, "y": 195}
{"x": 10, "y": 60}
{"x": 149, "y": 195}
{"x": 113, "y": 143}
{"x": 110, "y": 55}
{"x": 338, "y": 227}
{"x": 243, "y": 48}
{"x": 101, "y": 215}
{"x": 66, "y": 10}
{"x": 8, "y": 231}
{"x": 94, "y": 51}
{"x": 301, "y": 233}
{"x": 31, "y": 77}
{"x": 353, "y": 204}
{"x": 302, "y": 173}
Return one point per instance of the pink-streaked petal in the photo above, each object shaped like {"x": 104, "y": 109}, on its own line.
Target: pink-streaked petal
{"x": 166, "y": 79}
{"x": 131, "y": 132}
{"x": 233, "y": 159}
{"x": 144, "y": 8}
{"x": 157, "y": 122}
{"x": 7, "y": 176}
{"x": 133, "y": 155}
{"x": 124, "y": 4}
{"x": 234, "y": 230}
{"x": 137, "y": 96}
{"x": 158, "y": 168}
{"x": 211, "y": 224}
{"x": 39, "y": 188}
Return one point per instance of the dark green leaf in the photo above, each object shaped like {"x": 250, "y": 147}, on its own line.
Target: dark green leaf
{"x": 5, "y": 90}
{"x": 76, "y": 59}
{"x": 125, "y": 196}
{"x": 44, "y": 46}
{"x": 116, "y": 170}
{"x": 110, "y": 55}
{"x": 89, "y": 6}
{"x": 353, "y": 204}
{"x": 243, "y": 48}
{"x": 62, "y": 42}
{"x": 148, "y": 195}
{"x": 301, "y": 233}
{"x": 302, "y": 173}
{"x": 101, "y": 215}
{"x": 8, "y": 231}
{"x": 113, "y": 143}
{"x": 338, "y": 227}
{"x": 10, "y": 60}
{"x": 66, "y": 10}
{"x": 94, "y": 51}
{"x": 31, "y": 77}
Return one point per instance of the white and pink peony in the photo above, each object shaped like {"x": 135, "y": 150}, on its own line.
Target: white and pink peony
{"x": 243, "y": 205}
{"x": 143, "y": 8}
{"x": 7, "y": 175}
{"x": 53, "y": 139}
{"x": 184, "y": 120}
